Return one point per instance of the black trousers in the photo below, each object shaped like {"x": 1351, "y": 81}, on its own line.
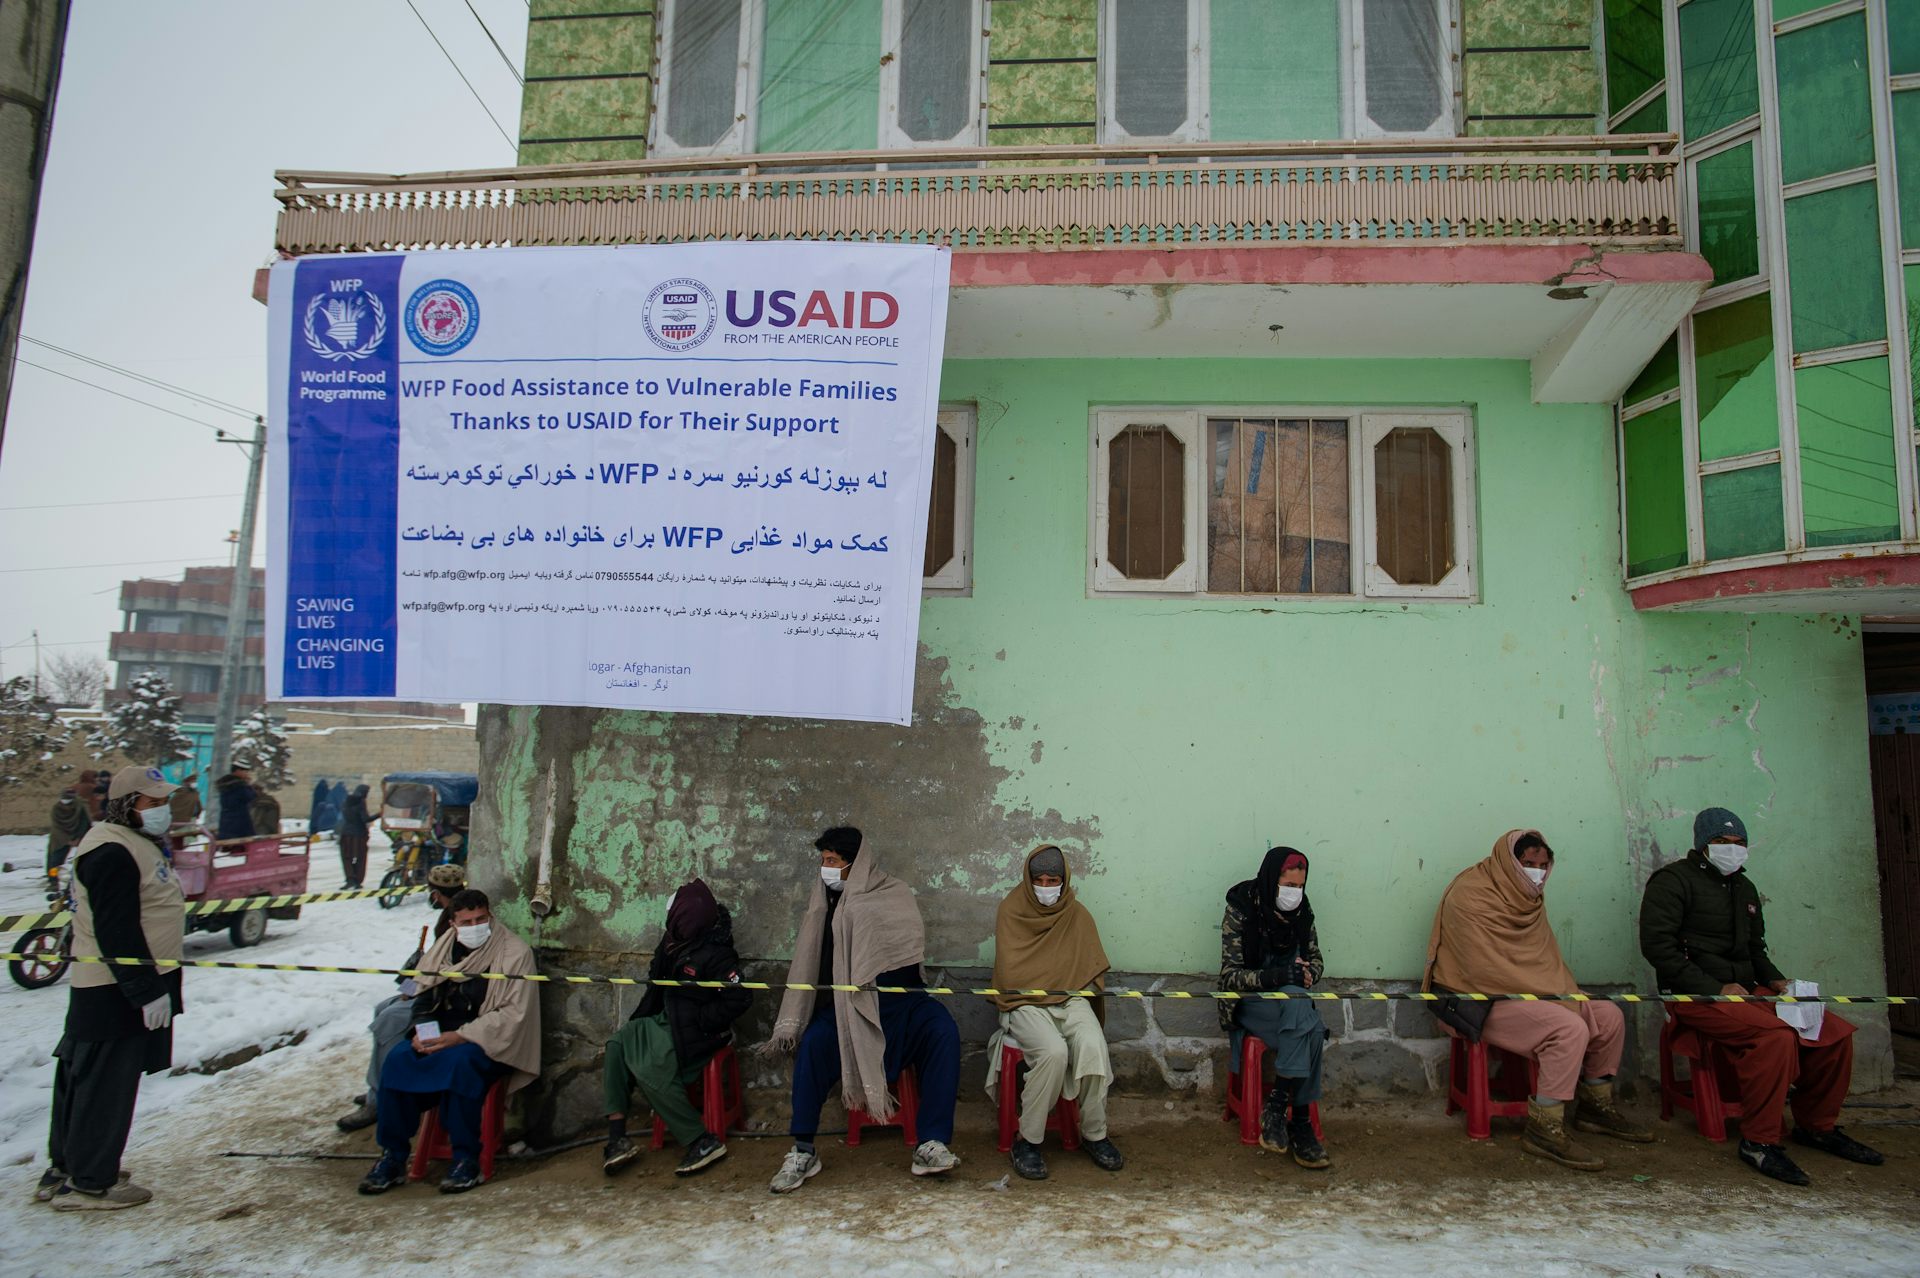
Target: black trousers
{"x": 95, "y": 1086}
{"x": 353, "y": 856}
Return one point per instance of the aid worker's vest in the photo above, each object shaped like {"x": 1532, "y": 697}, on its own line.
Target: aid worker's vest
{"x": 163, "y": 908}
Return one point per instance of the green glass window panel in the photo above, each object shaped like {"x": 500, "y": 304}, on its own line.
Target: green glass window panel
{"x": 1833, "y": 259}
{"x": 1661, "y": 375}
{"x": 1912, "y": 291}
{"x": 1274, "y": 70}
{"x": 1636, "y": 53}
{"x": 1733, "y": 375}
{"x": 1729, "y": 214}
{"x": 1651, "y": 118}
{"x": 1826, "y": 112}
{"x": 1719, "y": 76}
{"x": 1847, "y": 485}
{"x": 820, "y": 76}
{"x": 1656, "y": 473}
{"x": 1903, "y": 37}
{"x": 1740, "y": 512}
{"x": 1783, "y": 9}
{"x": 1906, "y": 151}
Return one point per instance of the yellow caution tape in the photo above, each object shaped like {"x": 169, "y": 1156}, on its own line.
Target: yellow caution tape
{"x": 231, "y": 905}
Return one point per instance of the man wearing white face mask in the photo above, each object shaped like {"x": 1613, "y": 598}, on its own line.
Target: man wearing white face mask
{"x": 1702, "y": 928}
{"x": 126, "y": 904}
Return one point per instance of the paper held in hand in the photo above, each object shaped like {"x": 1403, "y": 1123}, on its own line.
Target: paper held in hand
{"x": 1806, "y": 1018}
{"x": 427, "y": 1031}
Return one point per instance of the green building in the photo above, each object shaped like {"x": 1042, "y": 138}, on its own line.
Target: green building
{"x": 1370, "y": 428}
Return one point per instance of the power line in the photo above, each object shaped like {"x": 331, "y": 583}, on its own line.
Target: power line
{"x": 155, "y": 382}
{"x": 462, "y": 74}
{"x": 511, "y": 69}
{"x": 128, "y": 501}
{"x": 121, "y": 395}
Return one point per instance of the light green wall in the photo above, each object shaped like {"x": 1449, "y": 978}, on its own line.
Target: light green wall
{"x": 1166, "y": 743}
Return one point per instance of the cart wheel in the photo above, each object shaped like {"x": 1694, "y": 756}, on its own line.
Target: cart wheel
{"x": 248, "y": 929}
{"x": 395, "y": 878}
{"x": 46, "y": 960}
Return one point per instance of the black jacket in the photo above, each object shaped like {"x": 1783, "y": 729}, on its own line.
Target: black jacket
{"x": 103, "y": 1013}
{"x": 1702, "y": 929}
{"x": 701, "y": 1020}
{"x": 236, "y": 800}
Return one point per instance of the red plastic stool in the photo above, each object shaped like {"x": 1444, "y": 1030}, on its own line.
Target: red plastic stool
{"x": 1710, "y": 1080}
{"x": 718, "y": 1093}
{"x": 1064, "y": 1120}
{"x": 1469, "y": 1088}
{"x": 1247, "y": 1092}
{"x": 430, "y": 1141}
{"x": 908, "y": 1093}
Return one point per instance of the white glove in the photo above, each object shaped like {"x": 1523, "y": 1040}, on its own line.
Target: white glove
{"x": 159, "y": 1013}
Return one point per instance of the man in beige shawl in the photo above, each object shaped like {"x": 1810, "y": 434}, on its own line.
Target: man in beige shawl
{"x": 863, "y": 928}
{"x": 466, "y": 1036}
{"x": 1491, "y": 936}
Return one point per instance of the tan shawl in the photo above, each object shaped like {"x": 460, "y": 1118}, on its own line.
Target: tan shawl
{"x": 508, "y": 1026}
{"x": 1491, "y": 935}
{"x": 1045, "y": 947}
{"x": 876, "y": 928}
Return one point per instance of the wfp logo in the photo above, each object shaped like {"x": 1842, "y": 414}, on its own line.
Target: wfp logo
{"x": 679, "y": 314}
{"x": 442, "y": 316}
{"x": 345, "y": 321}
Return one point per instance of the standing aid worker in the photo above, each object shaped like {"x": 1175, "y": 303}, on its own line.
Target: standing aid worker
{"x": 126, "y": 904}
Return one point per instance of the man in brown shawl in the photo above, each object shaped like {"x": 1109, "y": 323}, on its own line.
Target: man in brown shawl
{"x": 1045, "y": 939}
{"x": 863, "y": 928}
{"x": 1491, "y": 936}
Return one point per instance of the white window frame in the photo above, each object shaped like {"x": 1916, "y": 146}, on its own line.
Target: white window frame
{"x": 1198, "y": 122}
{"x": 1188, "y": 426}
{"x": 1353, "y": 23}
{"x": 1366, "y": 427}
{"x": 738, "y": 139}
{"x": 893, "y": 17}
{"x": 957, "y": 422}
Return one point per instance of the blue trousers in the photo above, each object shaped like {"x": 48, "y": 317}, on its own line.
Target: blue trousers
{"x": 919, "y": 1032}
{"x": 454, "y": 1081}
{"x": 1294, "y": 1035}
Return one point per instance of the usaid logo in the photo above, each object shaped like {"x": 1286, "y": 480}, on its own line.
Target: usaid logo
{"x": 442, "y": 316}
{"x": 679, "y": 314}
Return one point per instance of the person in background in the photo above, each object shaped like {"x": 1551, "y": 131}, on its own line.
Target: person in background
{"x": 235, "y": 793}
{"x": 68, "y": 825}
{"x": 1045, "y": 939}
{"x": 1702, "y": 928}
{"x": 126, "y": 904}
{"x": 1491, "y": 936}
{"x": 186, "y": 809}
{"x": 675, "y": 1031}
{"x": 466, "y": 1036}
{"x": 352, "y": 828}
{"x": 393, "y": 1016}
{"x": 862, "y": 927}
{"x": 264, "y": 812}
{"x": 1268, "y": 943}
{"x": 97, "y": 798}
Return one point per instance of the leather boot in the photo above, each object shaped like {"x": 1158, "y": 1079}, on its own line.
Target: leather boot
{"x": 1594, "y": 1111}
{"x": 1547, "y": 1136}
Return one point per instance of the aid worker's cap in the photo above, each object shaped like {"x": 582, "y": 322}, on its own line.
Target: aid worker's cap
{"x": 138, "y": 780}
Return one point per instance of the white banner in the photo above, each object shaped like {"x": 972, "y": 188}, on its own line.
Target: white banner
{"x": 687, "y": 478}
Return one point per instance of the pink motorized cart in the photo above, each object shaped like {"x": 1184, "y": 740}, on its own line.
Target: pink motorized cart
{"x": 232, "y": 869}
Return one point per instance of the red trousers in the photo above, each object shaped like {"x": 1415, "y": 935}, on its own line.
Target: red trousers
{"x": 1769, "y": 1056}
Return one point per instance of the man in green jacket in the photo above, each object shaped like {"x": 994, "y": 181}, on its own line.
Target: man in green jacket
{"x": 1702, "y": 929}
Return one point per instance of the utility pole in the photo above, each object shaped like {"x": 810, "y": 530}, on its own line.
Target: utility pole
{"x": 36, "y": 665}
{"x": 232, "y": 657}
{"x": 32, "y": 38}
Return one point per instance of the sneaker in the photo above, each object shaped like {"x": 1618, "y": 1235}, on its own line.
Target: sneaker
{"x": 1026, "y": 1157}
{"x": 934, "y": 1159}
{"x": 462, "y": 1176}
{"x": 124, "y": 1194}
{"x": 1594, "y": 1111}
{"x": 702, "y": 1154}
{"x": 1772, "y": 1160}
{"x": 364, "y": 1116}
{"x": 50, "y": 1181}
{"x": 388, "y": 1173}
{"x": 1839, "y": 1144}
{"x": 1273, "y": 1128}
{"x": 619, "y": 1151}
{"x": 801, "y": 1166}
{"x": 1307, "y": 1149}
{"x": 1104, "y": 1154}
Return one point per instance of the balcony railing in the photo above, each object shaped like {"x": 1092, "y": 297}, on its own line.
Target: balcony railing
{"x": 1619, "y": 189}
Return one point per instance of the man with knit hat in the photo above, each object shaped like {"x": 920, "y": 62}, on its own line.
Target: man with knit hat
{"x": 127, "y": 903}
{"x": 1702, "y": 929}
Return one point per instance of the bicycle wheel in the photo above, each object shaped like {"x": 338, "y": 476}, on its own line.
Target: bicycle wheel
{"x": 46, "y": 960}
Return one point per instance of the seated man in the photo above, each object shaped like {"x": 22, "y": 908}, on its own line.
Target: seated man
{"x": 862, "y": 927}
{"x": 1702, "y": 929}
{"x": 465, "y": 1036}
{"x": 1491, "y": 936}
{"x": 1044, "y": 939}
{"x": 393, "y": 1017}
{"x": 676, "y": 1030}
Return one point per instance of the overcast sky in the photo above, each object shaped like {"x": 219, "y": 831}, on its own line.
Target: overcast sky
{"x": 157, "y": 209}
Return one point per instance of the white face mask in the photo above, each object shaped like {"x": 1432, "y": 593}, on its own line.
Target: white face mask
{"x": 830, "y": 875}
{"x": 1727, "y": 857}
{"x": 155, "y": 821}
{"x": 1289, "y": 898}
{"x": 1047, "y": 895}
{"x": 1537, "y": 875}
{"x": 473, "y": 937}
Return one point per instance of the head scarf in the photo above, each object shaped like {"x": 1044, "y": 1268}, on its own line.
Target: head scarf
{"x": 1045, "y": 947}
{"x": 1281, "y": 934}
{"x": 692, "y": 914}
{"x": 1491, "y": 935}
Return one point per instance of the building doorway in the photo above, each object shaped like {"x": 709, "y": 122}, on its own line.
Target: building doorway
{"x": 1893, "y": 715}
